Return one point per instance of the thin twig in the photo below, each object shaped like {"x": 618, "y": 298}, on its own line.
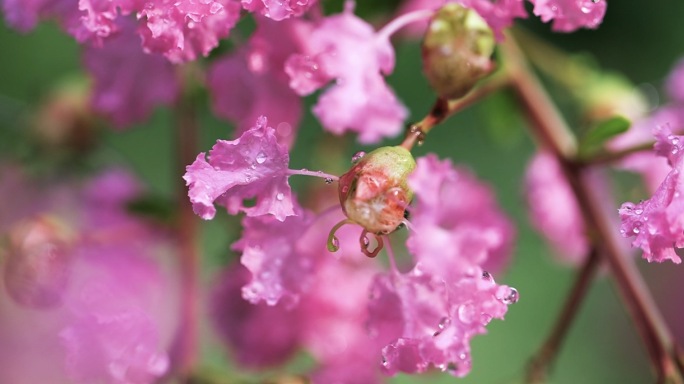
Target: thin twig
{"x": 541, "y": 363}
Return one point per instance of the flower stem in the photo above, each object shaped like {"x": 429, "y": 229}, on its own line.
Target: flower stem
{"x": 541, "y": 363}
{"x": 608, "y": 157}
{"x": 306, "y": 172}
{"x": 186, "y": 343}
{"x": 445, "y": 108}
{"x": 402, "y": 21}
{"x": 550, "y": 129}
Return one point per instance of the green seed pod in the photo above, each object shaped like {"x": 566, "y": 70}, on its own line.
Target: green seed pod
{"x": 457, "y": 50}
{"x": 375, "y": 193}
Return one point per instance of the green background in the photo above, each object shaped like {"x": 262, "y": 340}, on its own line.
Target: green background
{"x": 641, "y": 39}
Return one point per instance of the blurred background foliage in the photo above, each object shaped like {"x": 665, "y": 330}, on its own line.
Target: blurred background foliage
{"x": 639, "y": 39}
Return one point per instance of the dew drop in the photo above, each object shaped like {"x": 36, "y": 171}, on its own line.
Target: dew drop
{"x": 334, "y": 244}
{"x": 357, "y": 156}
{"x": 365, "y": 241}
{"x": 638, "y": 211}
{"x": 486, "y": 276}
{"x": 467, "y": 313}
{"x": 512, "y": 297}
{"x": 261, "y": 158}
{"x": 444, "y": 322}
{"x": 280, "y": 196}
{"x": 385, "y": 363}
{"x": 329, "y": 180}
{"x": 675, "y": 140}
{"x": 636, "y": 230}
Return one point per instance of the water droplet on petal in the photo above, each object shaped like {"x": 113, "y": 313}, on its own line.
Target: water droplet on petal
{"x": 638, "y": 211}
{"x": 486, "y": 276}
{"x": 444, "y": 322}
{"x": 261, "y": 158}
{"x": 329, "y": 180}
{"x": 467, "y": 313}
{"x": 357, "y": 156}
{"x": 280, "y": 196}
{"x": 636, "y": 230}
{"x": 512, "y": 296}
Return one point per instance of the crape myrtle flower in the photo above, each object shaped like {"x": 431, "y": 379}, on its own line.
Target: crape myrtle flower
{"x": 414, "y": 320}
{"x": 252, "y": 166}
{"x": 346, "y": 49}
{"x": 553, "y": 208}
{"x": 570, "y": 15}
{"x": 330, "y": 326}
{"x": 127, "y": 82}
{"x": 653, "y": 168}
{"x": 657, "y": 224}
{"x": 278, "y": 9}
{"x": 184, "y": 30}
{"x": 85, "y": 298}
{"x": 252, "y": 81}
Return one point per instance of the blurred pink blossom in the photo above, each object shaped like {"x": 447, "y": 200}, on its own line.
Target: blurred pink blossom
{"x": 346, "y": 49}
{"x": 128, "y": 83}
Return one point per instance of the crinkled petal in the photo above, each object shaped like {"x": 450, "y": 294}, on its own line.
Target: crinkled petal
{"x": 455, "y": 233}
{"x": 128, "y": 83}
{"x": 346, "y": 48}
{"x": 570, "y": 15}
{"x": 279, "y": 271}
{"x": 278, "y": 9}
{"x": 252, "y": 166}
{"x": 428, "y": 321}
{"x": 186, "y": 29}
{"x": 656, "y": 224}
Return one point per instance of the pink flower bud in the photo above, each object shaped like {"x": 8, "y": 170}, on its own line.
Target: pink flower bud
{"x": 375, "y": 193}
{"x": 36, "y": 270}
{"x": 457, "y": 50}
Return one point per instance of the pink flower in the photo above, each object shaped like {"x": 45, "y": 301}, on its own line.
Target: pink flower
{"x": 278, "y": 9}
{"x": 113, "y": 322}
{"x": 553, "y": 208}
{"x": 675, "y": 83}
{"x": 426, "y": 320}
{"x": 186, "y": 29}
{"x": 345, "y": 48}
{"x": 128, "y": 83}
{"x": 252, "y": 81}
{"x": 657, "y": 224}
{"x": 280, "y": 271}
{"x": 100, "y": 18}
{"x": 252, "y": 166}
{"x": 455, "y": 234}
{"x": 259, "y": 334}
{"x": 25, "y": 14}
{"x": 569, "y": 15}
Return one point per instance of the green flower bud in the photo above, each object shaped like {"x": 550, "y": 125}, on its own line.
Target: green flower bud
{"x": 457, "y": 48}
{"x": 375, "y": 193}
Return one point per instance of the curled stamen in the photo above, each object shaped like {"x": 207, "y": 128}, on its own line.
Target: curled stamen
{"x": 333, "y": 242}
{"x": 365, "y": 243}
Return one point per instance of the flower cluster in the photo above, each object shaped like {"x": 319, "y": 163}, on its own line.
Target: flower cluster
{"x": 414, "y": 320}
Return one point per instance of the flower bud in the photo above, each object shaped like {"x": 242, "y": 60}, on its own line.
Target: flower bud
{"x": 36, "y": 269}
{"x": 457, "y": 48}
{"x": 375, "y": 193}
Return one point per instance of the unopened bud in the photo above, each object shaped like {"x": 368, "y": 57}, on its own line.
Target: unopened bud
{"x": 65, "y": 120}
{"x": 457, "y": 48}
{"x": 375, "y": 193}
{"x": 37, "y": 266}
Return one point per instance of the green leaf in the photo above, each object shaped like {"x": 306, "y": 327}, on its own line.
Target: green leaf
{"x": 593, "y": 139}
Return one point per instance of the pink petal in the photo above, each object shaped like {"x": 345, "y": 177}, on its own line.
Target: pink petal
{"x": 570, "y": 15}
{"x": 252, "y": 166}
